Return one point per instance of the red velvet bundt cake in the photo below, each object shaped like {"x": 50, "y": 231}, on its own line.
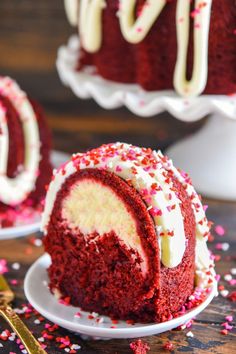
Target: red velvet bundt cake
{"x": 24, "y": 155}
{"x": 160, "y": 44}
{"x": 125, "y": 231}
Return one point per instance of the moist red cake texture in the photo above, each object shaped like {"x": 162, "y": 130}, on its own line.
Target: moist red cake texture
{"x": 100, "y": 273}
{"x": 151, "y": 63}
{"x": 16, "y": 156}
{"x": 105, "y": 272}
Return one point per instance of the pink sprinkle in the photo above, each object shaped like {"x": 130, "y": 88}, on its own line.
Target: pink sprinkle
{"x": 219, "y": 229}
{"x": 227, "y": 326}
{"x": 142, "y": 103}
{"x": 118, "y": 169}
{"x": 229, "y": 318}
{"x": 78, "y": 315}
{"x": 218, "y": 246}
{"x": 139, "y": 29}
{"x": 205, "y": 207}
{"x": 3, "y": 266}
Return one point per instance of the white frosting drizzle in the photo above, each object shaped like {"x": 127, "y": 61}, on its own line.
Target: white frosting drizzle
{"x": 90, "y": 24}
{"x": 202, "y": 228}
{"x": 202, "y": 17}
{"x": 72, "y": 11}
{"x": 134, "y": 31}
{"x": 170, "y": 222}
{"x": 14, "y": 190}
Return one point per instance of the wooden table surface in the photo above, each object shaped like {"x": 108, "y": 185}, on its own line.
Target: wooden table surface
{"x": 30, "y": 33}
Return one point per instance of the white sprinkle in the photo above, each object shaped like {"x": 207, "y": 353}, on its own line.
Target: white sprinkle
{"x": 41, "y": 339}
{"x": 190, "y": 334}
{"x": 24, "y": 351}
{"x": 233, "y": 271}
{"x": 12, "y": 338}
{"x": 16, "y": 266}
{"x": 228, "y": 277}
{"x": 225, "y": 246}
{"x": 159, "y": 229}
{"x": 38, "y": 242}
{"x": 1, "y": 346}
{"x": 67, "y": 350}
{"x": 36, "y": 321}
{"x": 75, "y": 346}
{"x": 224, "y": 293}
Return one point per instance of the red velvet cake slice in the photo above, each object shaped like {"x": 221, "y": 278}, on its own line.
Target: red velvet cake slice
{"x": 24, "y": 154}
{"x": 126, "y": 232}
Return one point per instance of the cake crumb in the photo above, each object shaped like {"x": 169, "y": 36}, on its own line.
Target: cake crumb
{"x": 168, "y": 346}
{"x": 139, "y": 347}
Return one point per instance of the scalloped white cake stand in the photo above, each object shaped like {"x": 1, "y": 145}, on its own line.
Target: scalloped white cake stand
{"x": 209, "y": 156}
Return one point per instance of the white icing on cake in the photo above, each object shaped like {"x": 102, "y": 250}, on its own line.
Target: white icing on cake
{"x": 72, "y": 11}
{"x": 90, "y": 24}
{"x": 14, "y": 190}
{"x": 202, "y": 17}
{"x": 128, "y": 162}
{"x": 135, "y": 30}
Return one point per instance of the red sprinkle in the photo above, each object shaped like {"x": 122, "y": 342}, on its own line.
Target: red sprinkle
{"x": 139, "y": 347}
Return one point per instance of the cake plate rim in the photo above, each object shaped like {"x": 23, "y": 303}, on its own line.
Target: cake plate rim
{"x": 8, "y": 233}
{"x": 38, "y": 294}
{"x": 110, "y": 95}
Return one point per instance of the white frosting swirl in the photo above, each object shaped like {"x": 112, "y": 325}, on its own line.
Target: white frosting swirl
{"x": 14, "y": 190}
{"x": 148, "y": 173}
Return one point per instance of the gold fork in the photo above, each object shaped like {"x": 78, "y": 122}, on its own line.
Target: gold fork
{"x": 26, "y": 337}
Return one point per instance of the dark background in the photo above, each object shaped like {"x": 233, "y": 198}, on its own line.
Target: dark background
{"x": 30, "y": 35}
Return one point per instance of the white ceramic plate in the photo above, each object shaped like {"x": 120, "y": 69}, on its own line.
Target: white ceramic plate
{"x": 109, "y": 95}
{"x": 7, "y": 233}
{"x": 38, "y": 294}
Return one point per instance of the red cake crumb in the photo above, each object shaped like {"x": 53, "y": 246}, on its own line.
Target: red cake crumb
{"x": 139, "y": 347}
{"x": 168, "y": 346}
